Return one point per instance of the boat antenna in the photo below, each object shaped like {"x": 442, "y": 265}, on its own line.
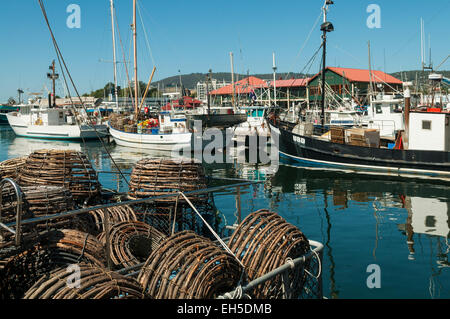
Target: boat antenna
{"x": 325, "y": 27}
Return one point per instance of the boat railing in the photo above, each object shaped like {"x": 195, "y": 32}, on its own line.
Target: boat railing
{"x": 383, "y": 125}
{"x": 300, "y": 277}
{"x": 17, "y": 232}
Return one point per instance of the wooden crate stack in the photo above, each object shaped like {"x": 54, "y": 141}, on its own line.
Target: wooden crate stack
{"x": 362, "y": 137}
{"x": 337, "y": 134}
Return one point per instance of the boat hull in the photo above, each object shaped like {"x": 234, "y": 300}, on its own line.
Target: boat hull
{"x": 161, "y": 142}
{"x": 56, "y": 132}
{"x": 216, "y": 120}
{"x": 314, "y": 153}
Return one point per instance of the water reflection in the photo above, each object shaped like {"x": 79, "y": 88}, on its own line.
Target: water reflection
{"x": 21, "y": 146}
{"x": 402, "y": 225}
{"x": 419, "y": 211}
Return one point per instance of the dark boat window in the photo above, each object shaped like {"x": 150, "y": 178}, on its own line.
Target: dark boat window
{"x": 378, "y": 109}
{"x": 426, "y": 125}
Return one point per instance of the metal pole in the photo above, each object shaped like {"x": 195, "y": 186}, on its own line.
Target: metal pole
{"x": 129, "y": 202}
{"x": 324, "y": 37}
{"x": 114, "y": 55}
{"x": 274, "y": 80}
{"x": 232, "y": 81}
{"x": 135, "y": 59}
{"x": 19, "y": 195}
{"x": 107, "y": 239}
{"x": 238, "y": 204}
{"x": 54, "y": 84}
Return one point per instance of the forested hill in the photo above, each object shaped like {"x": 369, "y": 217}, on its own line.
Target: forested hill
{"x": 190, "y": 80}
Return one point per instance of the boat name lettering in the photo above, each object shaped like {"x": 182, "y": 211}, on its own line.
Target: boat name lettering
{"x": 299, "y": 139}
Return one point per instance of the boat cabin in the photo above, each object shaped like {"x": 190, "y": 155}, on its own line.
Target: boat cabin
{"x": 385, "y": 114}
{"x": 429, "y": 131}
{"x": 341, "y": 118}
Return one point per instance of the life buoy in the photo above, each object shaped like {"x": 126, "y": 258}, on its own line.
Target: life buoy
{"x": 153, "y": 123}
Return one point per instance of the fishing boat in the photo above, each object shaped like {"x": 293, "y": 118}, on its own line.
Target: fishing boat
{"x": 256, "y": 125}
{"x": 164, "y": 133}
{"x": 422, "y": 150}
{"x": 216, "y": 116}
{"x": 54, "y": 123}
{"x": 5, "y": 109}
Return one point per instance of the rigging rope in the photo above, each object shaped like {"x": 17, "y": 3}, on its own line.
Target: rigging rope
{"x": 60, "y": 57}
{"x": 304, "y": 44}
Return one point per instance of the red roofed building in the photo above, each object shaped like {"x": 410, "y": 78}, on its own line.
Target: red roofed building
{"x": 186, "y": 102}
{"x": 244, "y": 86}
{"x": 348, "y": 82}
{"x": 288, "y": 91}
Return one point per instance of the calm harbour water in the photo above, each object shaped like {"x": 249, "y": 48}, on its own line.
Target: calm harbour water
{"x": 400, "y": 225}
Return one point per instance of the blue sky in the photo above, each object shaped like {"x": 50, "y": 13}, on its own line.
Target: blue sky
{"x": 196, "y": 35}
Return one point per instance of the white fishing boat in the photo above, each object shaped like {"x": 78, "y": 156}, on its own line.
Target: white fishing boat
{"x": 162, "y": 134}
{"x": 168, "y": 132}
{"x": 54, "y": 123}
{"x": 385, "y": 113}
{"x": 255, "y": 125}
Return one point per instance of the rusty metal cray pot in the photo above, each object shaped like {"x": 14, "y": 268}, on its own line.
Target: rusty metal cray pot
{"x": 153, "y": 177}
{"x": 69, "y": 169}
{"x": 263, "y": 242}
{"x": 52, "y": 249}
{"x": 132, "y": 242}
{"x": 95, "y": 283}
{"x": 11, "y": 167}
{"x": 188, "y": 266}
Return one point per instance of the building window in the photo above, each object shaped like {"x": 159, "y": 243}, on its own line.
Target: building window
{"x": 426, "y": 125}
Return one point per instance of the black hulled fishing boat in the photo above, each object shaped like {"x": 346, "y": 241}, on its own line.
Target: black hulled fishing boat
{"x": 422, "y": 150}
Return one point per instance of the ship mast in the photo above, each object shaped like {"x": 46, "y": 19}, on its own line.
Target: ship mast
{"x": 135, "y": 60}
{"x": 325, "y": 27}
{"x": 114, "y": 55}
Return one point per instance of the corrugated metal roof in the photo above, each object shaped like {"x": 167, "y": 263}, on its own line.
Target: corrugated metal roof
{"x": 243, "y": 86}
{"x": 360, "y": 75}
{"x": 290, "y": 83}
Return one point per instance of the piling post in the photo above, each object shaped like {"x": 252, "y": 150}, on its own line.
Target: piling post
{"x": 238, "y": 205}
{"x": 108, "y": 243}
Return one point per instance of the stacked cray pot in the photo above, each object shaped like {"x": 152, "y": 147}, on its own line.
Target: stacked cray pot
{"x": 175, "y": 185}
{"x": 119, "y": 251}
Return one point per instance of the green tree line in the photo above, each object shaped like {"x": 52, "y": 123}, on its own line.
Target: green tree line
{"x": 122, "y": 92}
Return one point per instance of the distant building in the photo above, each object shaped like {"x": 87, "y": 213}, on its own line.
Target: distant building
{"x": 244, "y": 91}
{"x": 348, "y": 83}
{"x": 288, "y": 92}
{"x": 258, "y": 91}
{"x": 212, "y": 85}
